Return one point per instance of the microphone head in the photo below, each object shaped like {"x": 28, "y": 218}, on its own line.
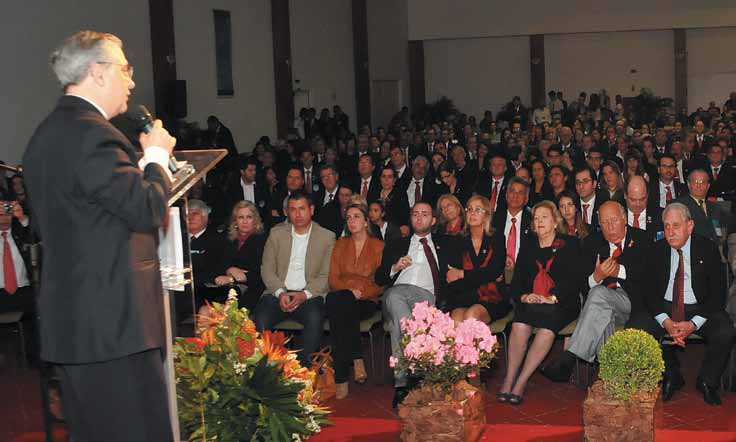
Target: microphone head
{"x": 141, "y": 117}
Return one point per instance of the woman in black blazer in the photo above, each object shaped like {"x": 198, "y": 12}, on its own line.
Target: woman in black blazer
{"x": 381, "y": 228}
{"x": 243, "y": 254}
{"x": 394, "y": 200}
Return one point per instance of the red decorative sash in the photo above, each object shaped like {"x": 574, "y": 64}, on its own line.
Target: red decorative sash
{"x": 543, "y": 283}
{"x": 487, "y": 292}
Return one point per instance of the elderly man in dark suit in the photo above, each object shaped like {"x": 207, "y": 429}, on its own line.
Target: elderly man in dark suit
{"x": 101, "y": 304}
{"x": 616, "y": 273}
{"x": 687, "y": 297}
{"x": 701, "y": 210}
{"x": 640, "y": 214}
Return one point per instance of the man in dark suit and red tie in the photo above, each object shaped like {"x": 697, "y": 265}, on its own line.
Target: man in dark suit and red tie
{"x": 99, "y": 211}
{"x": 687, "y": 297}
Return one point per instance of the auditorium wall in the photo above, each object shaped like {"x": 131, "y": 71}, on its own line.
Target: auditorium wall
{"x": 31, "y": 31}
{"x": 251, "y": 111}
{"x": 711, "y": 67}
{"x": 449, "y": 19}
{"x": 322, "y": 54}
{"x": 478, "y": 73}
{"x": 594, "y": 61}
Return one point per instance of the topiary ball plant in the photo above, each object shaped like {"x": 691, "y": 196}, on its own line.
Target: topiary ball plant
{"x": 630, "y": 363}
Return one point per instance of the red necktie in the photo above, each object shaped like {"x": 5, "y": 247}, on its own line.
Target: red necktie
{"x": 417, "y": 192}
{"x": 494, "y": 195}
{"x": 616, "y": 254}
{"x": 585, "y": 213}
{"x": 636, "y": 220}
{"x": 715, "y": 173}
{"x": 364, "y": 190}
{"x": 11, "y": 284}
{"x": 668, "y": 197}
{"x": 432, "y": 267}
{"x": 678, "y": 291}
{"x": 308, "y": 181}
{"x": 511, "y": 241}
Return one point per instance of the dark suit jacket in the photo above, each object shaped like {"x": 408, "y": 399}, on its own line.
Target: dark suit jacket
{"x": 725, "y": 186}
{"x": 330, "y": 218}
{"x": 374, "y": 189}
{"x": 99, "y": 215}
{"x": 599, "y": 199}
{"x": 448, "y": 254}
{"x": 703, "y": 225}
{"x": 23, "y": 239}
{"x": 431, "y": 191}
{"x": 679, "y": 189}
{"x": 653, "y": 223}
{"x": 637, "y": 246}
{"x": 235, "y": 194}
{"x": 392, "y": 232}
{"x": 207, "y": 256}
{"x": 706, "y": 270}
{"x": 485, "y": 187}
{"x": 397, "y": 207}
{"x": 248, "y": 258}
{"x": 499, "y": 222}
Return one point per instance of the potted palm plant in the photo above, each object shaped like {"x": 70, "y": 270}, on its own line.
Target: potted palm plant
{"x": 620, "y": 405}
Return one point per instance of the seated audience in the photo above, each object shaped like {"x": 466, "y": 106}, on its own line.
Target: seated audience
{"x": 540, "y": 188}
{"x": 206, "y": 246}
{"x": 420, "y": 187}
{"x": 687, "y": 297}
{"x": 295, "y": 273}
{"x": 515, "y": 223}
{"x": 450, "y": 219}
{"x": 701, "y": 210}
{"x": 639, "y": 214}
{"x": 381, "y": 228}
{"x": 332, "y": 215}
{"x": 612, "y": 188}
{"x": 243, "y": 254}
{"x": 473, "y": 286}
{"x": 614, "y": 262}
{"x": 365, "y": 183}
{"x": 394, "y": 200}
{"x": 353, "y": 293}
{"x": 557, "y": 180}
{"x": 572, "y": 221}
{"x": 294, "y": 183}
{"x": 455, "y": 188}
{"x": 248, "y": 188}
{"x": 415, "y": 271}
{"x": 590, "y": 201}
{"x": 545, "y": 291}
{"x": 493, "y": 186}
{"x": 663, "y": 190}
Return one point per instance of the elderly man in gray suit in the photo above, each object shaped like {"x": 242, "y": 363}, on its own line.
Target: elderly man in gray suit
{"x": 295, "y": 268}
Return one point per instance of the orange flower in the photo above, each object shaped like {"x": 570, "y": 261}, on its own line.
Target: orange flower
{"x": 249, "y": 328}
{"x": 245, "y": 348}
{"x": 272, "y": 346}
{"x": 208, "y": 336}
{"x": 198, "y": 343}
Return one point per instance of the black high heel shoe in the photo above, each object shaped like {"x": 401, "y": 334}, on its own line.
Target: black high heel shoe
{"x": 516, "y": 399}
{"x": 502, "y": 398}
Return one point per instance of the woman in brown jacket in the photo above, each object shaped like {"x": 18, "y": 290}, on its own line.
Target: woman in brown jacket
{"x": 353, "y": 295}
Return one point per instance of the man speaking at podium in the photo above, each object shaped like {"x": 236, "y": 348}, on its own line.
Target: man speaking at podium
{"x": 98, "y": 214}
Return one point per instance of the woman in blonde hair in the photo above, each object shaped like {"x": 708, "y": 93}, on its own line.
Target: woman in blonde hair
{"x": 473, "y": 287}
{"x": 353, "y": 294}
{"x": 545, "y": 290}
{"x": 450, "y": 219}
{"x": 243, "y": 254}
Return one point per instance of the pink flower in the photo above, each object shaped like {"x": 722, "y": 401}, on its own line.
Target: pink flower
{"x": 392, "y": 361}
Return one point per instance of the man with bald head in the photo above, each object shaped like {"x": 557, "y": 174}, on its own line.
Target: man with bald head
{"x": 639, "y": 213}
{"x": 614, "y": 265}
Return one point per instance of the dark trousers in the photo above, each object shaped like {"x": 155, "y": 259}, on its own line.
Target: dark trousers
{"x": 120, "y": 400}
{"x": 345, "y": 313}
{"x": 310, "y": 314}
{"x": 23, "y": 300}
{"x": 719, "y": 335}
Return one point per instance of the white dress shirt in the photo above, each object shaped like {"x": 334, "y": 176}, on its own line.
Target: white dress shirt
{"x": 663, "y": 192}
{"x": 589, "y": 211}
{"x": 418, "y": 273}
{"x": 400, "y": 172}
{"x": 329, "y": 196}
{"x": 621, "y": 269}
{"x": 296, "y": 279}
{"x": 412, "y": 188}
{"x": 689, "y": 293}
{"x": 249, "y": 191}
{"x": 680, "y": 172}
{"x": 21, "y": 277}
{"x": 507, "y": 229}
{"x": 642, "y": 219}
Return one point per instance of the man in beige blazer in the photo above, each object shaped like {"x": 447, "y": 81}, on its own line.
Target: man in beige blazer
{"x": 295, "y": 267}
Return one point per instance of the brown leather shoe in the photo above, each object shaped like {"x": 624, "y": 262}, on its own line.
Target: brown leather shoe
{"x": 341, "y": 390}
{"x": 360, "y": 374}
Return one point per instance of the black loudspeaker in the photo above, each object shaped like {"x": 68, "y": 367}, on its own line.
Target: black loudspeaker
{"x": 177, "y": 99}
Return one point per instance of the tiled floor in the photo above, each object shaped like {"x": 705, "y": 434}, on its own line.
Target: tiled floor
{"x": 550, "y": 412}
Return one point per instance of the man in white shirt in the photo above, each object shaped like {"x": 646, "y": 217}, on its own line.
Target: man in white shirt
{"x": 639, "y": 213}
{"x": 295, "y": 269}
{"x": 415, "y": 268}
{"x": 15, "y": 285}
{"x": 585, "y": 185}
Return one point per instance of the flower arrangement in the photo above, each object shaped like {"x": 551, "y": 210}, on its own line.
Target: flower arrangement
{"x": 438, "y": 351}
{"x": 236, "y": 385}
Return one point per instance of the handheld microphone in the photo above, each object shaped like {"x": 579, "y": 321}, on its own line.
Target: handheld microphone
{"x": 144, "y": 121}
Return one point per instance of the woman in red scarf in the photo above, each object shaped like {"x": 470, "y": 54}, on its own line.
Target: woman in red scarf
{"x": 546, "y": 294}
{"x": 243, "y": 254}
